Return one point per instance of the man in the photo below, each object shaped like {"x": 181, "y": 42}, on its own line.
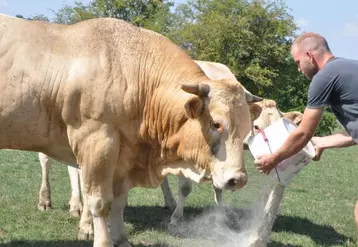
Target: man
{"x": 334, "y": 83}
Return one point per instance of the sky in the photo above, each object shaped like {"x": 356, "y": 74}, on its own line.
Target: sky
{"x": 337, "y": 21}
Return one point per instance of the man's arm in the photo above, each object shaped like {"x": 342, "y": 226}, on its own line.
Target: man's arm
{"x": 299, "y": 138}
{"x": 338, "y": 140}
{"x": 295, "y": 142}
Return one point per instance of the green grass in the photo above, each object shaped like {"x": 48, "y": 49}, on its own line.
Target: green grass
{"x": 317, "y": 209}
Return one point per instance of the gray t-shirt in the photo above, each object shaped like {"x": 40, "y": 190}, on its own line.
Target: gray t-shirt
{"x": 336, "y": 86}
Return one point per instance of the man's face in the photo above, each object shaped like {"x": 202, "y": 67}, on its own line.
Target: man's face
{"x": 305, "y": 62}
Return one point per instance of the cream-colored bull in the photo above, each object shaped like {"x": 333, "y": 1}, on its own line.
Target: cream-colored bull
{"x": 125, "y": 104}
{"x": 268, "y": 114}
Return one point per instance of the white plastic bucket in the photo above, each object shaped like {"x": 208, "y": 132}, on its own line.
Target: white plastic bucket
{"x": 276, "y": 135}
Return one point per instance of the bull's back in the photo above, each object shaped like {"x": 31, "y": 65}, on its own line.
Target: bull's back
{"x": 30, "y": 82}
{"x": 56, "y": 76}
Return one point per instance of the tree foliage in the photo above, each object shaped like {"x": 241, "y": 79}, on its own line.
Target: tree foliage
{"x": 150, "y": 14}
{"x": 251, "y": 37}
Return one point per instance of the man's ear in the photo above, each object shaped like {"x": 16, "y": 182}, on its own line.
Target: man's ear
{"x": 255, "y": 111}
{"x": 194, "y": 107}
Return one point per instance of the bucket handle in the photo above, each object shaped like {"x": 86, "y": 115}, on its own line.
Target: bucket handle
{"x": 262, "y": 132}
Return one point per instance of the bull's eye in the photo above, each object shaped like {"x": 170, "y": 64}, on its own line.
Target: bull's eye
{"x": 216, "y": 125}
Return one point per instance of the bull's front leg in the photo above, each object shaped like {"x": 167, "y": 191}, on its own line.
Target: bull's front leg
{"x": 85, "y": 231}
{"x": 169, "y": 200}
{"x": 118, "y": 232}
{"x": 185, "y": 187}
{"x": 97, "y": 155}
{"x": 45, "y": 190}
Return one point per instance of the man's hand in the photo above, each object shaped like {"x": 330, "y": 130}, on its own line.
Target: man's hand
{"x": 266, "y": 163}
{"x": 296, "y": 140}
{"x": 316, "y": 140}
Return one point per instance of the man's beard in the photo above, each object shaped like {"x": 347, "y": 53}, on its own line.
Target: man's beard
{"x": 310, "y": 71}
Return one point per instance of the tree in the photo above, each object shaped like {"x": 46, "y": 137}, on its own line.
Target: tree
{"x": 150, "y": 14}
{"x": 73, "y": 14}
{"x": 35, "y": 17}
{"x": 253, "y": 38}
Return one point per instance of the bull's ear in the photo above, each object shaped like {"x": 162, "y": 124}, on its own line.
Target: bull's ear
{"x": 255, "y": 111}
{"x": 294, "y": 116}
{"x": 201, "y": 90}
{"x": 194, "y": 107}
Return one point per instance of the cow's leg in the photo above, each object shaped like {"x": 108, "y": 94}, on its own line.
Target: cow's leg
{"x": 45, "y": 190}
{"x": 86, "y": 223}
{"x": 85, "y": 231}
{"x": 97, "y": 156}
{"x": 118, "y": 233}
{"x": 218, "y": 196}
{"x": 185, "y": 187}
{"x": 75, "y": 201}
{"x": 260, "y": 238}
{"x": 168, "y": 195}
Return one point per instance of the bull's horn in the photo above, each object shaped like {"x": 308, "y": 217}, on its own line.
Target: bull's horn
{"x": 251, "y": 98}
{"x": 202, "y": 90}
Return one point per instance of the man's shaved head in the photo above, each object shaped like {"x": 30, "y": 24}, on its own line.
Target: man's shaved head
{"x": 310, "y": 41}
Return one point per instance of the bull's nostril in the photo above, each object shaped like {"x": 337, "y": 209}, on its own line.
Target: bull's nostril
{"x": 232, "y": 182}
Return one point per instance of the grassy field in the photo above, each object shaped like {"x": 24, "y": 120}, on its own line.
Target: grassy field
{"x": 317, "y": 209}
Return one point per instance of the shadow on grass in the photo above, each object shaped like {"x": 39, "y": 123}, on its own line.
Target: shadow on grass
{"x": 158, "y": 218}
{"x": 195, "y": 225}
{"x": 60, "y": 243}
{"x": 148, "y": 217}
{"x": 155, "y": 217}
{"x": 278, "y": 244}
{"x": 321, "y": 234}
{"x": 24, "y": 243}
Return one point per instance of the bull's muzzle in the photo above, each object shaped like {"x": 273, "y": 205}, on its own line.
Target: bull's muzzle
{"x": 236, "y": 182}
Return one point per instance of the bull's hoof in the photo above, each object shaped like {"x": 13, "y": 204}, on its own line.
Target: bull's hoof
{"x": 102, "y": 244}
{"x": 85, "y": 235}
{"x": 257, "y": 243}
{"x": 170, "y": 204}
{"x": 44, "y": 206}
{"x": 122, "y": 245}
{"x": 75, "y": 213}
{"x": 75, "y": 207}
{"x": 175, "y": 229}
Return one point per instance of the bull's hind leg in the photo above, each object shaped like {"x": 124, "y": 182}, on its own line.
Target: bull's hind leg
{"x": 45, "y": 190}
{"x": 97, "y": 155}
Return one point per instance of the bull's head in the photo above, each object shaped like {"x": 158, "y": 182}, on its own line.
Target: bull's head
{"x": 218, "y": 120}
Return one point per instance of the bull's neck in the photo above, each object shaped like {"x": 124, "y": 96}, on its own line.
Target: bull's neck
{"x": 163, "y": 111}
